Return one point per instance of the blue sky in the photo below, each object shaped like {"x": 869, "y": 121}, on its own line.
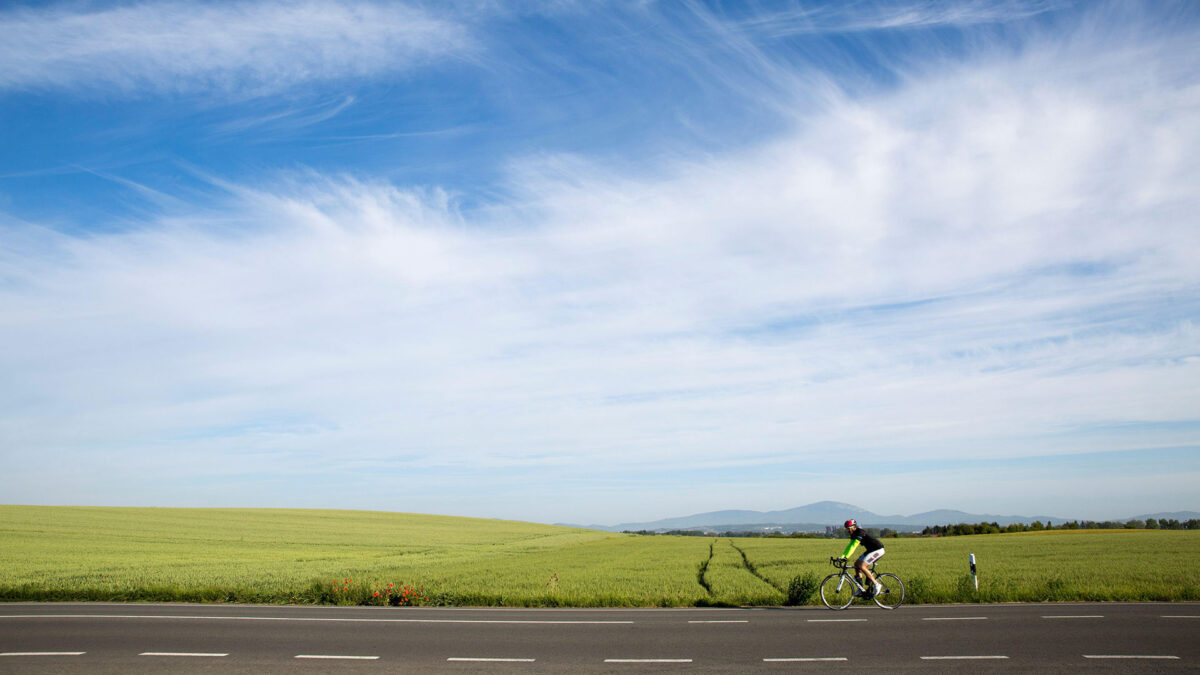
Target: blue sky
{"x": 596, "y": 262}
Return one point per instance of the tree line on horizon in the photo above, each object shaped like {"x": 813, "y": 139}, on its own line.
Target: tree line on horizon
{"x": 959, "y": 529}
{"x": 1037, "y": 526}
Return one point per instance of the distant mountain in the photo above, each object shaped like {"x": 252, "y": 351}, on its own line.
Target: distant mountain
{"x": 1175, "y": 515}
{"x": 817, "y": 516}
{"x": 951, "y": 517}
{"x": 820, "y": 512}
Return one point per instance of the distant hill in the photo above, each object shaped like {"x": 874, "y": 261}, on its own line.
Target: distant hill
{"x": 950, "y": 517}
{"x": 817, "y": 516}
{"x": 1175, "y": 515}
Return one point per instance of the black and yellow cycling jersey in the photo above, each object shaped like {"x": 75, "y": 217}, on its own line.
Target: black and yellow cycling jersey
{"x": 860, "y": 535}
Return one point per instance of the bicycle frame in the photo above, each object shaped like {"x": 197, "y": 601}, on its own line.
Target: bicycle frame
{"x": 849, "y": 572}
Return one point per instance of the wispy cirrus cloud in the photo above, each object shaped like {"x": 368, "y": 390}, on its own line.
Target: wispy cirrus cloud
{"x": 242, "y": 48}
{"x": 990, "y": 260}
{"x": 859, "y": 16}
{"x": 897, "y": 277}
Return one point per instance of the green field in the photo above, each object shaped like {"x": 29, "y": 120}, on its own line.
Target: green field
{"x": 344, "y": 557}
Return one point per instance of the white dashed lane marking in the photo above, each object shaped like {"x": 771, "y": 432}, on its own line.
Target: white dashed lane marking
{"x": 42, "y": 653}
{"x": 1131, "y": 656}
{"x": 955, "y": 618}
{"x": 485, "y": 659}
{"x": 191, "y": 654}
{"x": 805, "y": 659}
{"x": 962, "y": 658}
{"x": 1075, "y": 616}
{"x": 647, "y": 661}
{"x": 336, "y": 657}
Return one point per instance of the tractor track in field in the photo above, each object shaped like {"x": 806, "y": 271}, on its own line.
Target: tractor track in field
{"x": 703, "y": 570}
{"x": 753, "y": 570}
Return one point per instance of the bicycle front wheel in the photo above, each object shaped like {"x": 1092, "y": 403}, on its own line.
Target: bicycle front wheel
{"x": 891, "y": 595}
{"x": 837, "y": 591}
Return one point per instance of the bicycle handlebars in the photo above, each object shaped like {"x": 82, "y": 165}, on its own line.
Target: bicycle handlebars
{"x": 843, "y": 563}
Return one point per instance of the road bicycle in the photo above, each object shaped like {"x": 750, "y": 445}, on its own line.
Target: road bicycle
{"x": 839, "y": 589}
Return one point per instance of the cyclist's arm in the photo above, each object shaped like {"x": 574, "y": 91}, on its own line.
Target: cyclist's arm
{"x": 850, "y": 548}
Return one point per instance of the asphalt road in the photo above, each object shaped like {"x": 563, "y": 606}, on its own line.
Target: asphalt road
{"x": 146, "y": 638}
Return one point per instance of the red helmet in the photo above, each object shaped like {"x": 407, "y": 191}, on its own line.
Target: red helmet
{"x": 851, "y": 523}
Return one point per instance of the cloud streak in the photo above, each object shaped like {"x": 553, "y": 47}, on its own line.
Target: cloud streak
{"x": 242, "y": 49}
{"x": 854, "y": 17}
{"x": 992, "y": 258}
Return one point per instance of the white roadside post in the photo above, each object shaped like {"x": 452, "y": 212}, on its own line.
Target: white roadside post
{"x": 973, "y": 577}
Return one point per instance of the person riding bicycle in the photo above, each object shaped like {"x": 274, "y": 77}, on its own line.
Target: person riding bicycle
{"x": 874, "y": 552}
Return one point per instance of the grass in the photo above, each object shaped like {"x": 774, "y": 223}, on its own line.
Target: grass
{"x": 299, "y": 556}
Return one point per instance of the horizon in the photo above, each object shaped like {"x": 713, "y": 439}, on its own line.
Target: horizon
{"x": 574, "y": 263}
{"x": 1076, "y": 518}
{"x": 852, "y": 510}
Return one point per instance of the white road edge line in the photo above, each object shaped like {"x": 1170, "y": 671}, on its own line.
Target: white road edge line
{"x": 955, "y": 618}
{"x": 806, "y": 659}
{"x": 336, "y": 657}
{"x": 647, "y": 661}
{"x": 42, "y": 653}
{"x": 1129, "y": 656}
{"x": 961, "y": 658}
{"x": 180, "y": 654}
{"x": 291, "y": 618}
{"x": 489, "y": 659}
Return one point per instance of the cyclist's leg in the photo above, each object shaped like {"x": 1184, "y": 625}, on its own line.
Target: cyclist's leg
{"x": 862, "y": 575}
{"x": 862, "y": 564}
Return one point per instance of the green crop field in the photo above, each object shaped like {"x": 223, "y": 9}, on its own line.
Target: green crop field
{"x": 345, "y": 557}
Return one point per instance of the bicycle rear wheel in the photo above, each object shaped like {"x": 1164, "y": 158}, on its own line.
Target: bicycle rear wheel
{"x": 891, "y": 595}
{"x": 837, "y": 591}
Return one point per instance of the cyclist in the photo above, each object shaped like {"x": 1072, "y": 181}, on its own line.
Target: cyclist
{"x": 874, "y": 552}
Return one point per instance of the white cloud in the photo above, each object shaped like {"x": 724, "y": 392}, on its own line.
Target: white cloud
{"x": 239, "y": 48}
{"x": 993, "y": 259}
{"x": 880, "y": 16}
